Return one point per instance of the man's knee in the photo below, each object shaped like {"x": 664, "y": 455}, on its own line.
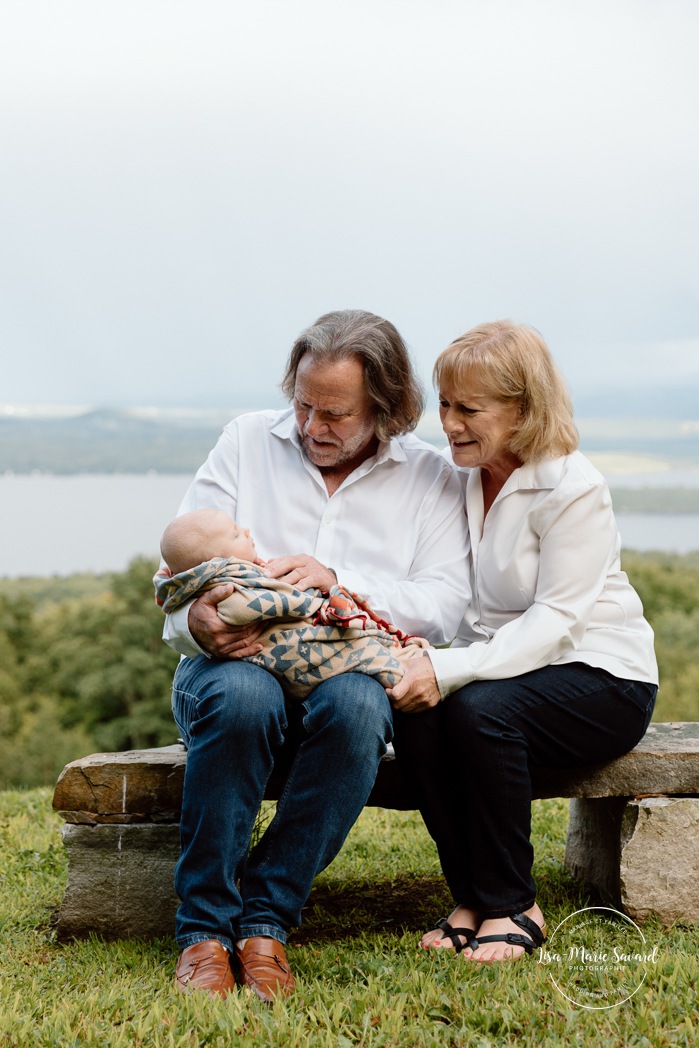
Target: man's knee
{"x": 233, "y": 696}
{"x": 354, "y": 703}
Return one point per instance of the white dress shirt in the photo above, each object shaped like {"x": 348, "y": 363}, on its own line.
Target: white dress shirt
{"x": 394, "y": 531}
{"x": 546, "y": 581}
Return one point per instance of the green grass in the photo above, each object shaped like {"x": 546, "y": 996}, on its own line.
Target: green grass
{"x": 361, "y": 978}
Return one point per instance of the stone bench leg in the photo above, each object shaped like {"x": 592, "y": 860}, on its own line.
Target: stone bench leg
{"x": 640, "y": 855}
{"x": 120, "y": 880}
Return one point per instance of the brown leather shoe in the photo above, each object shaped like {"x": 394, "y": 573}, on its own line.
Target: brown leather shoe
{"x": 264, "y": 968}
{"x": 205, "y": 966}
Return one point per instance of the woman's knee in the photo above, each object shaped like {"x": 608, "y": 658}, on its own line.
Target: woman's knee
{"x": 479, "y": 707}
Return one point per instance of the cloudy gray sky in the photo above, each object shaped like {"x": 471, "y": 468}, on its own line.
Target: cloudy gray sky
{"x": 186, "y": 185}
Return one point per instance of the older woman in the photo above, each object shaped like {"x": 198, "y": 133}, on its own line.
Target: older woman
{"x": 553, "y": 663}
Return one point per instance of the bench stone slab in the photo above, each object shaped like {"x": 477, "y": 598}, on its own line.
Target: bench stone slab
{"x": 146, "y": 785}
{"x": 659, "y": 859}
{"x": 641, "y": 853}
{"x": 120, "y": 882}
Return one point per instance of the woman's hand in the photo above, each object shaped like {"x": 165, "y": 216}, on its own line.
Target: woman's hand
{"x": 301, "y": 571}
{"x": 214, "y": 635}
{"x": 418, "y": 689}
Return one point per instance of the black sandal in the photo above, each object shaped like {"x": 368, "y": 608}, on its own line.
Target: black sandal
{"x": 538, "y": 936}
{"x": 453, "y": 933}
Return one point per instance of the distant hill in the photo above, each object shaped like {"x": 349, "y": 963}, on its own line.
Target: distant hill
{"x": 178, "y": 441}
{"x": 108, "y": 441}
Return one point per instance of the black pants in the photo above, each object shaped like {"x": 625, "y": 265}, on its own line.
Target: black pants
{"x": 469, "y": 761}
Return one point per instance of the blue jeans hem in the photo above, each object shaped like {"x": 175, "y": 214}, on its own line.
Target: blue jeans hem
{"x": 269, "y": 930}
{"x": 195, "y": 937}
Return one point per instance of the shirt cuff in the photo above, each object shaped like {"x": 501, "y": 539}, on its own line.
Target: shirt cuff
{"x": 176, "y": 633}
{"x": 451, "y": 668}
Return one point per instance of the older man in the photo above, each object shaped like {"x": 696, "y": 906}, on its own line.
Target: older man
{"x": 372, "y": 507}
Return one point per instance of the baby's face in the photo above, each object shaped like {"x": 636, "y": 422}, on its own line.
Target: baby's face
{"x": 236, "y": 542}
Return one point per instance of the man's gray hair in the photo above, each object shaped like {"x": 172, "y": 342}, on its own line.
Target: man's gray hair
{"x": 390, "y": 380}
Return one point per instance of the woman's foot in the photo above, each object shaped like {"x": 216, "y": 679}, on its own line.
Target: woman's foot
{"x": 489, "y": 952}
{"x": 461, "y": 917}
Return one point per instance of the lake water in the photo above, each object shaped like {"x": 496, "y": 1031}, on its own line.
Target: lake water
{"x": 56, "y": 525}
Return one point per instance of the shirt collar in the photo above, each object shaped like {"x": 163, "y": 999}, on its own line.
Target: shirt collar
{"x": 544, "y": 473}
{"x": 285, "y": 427}
{"x": 541, "y": 475}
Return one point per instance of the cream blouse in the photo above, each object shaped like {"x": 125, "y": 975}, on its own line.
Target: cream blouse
{"x": 547, "y": 585}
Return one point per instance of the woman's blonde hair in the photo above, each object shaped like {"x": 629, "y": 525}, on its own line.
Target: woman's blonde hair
{"x": 512, "y": 363}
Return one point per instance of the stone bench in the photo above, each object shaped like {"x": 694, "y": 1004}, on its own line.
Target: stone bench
{"x": 633, "y": 834}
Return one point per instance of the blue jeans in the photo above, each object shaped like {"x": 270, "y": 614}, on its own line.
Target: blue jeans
{"x": 236, "y": 725}
{"x": 469, "y": 761}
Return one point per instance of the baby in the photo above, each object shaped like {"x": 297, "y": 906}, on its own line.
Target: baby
{"x": 203, "y": 535}
{"x": 311, "y": 637}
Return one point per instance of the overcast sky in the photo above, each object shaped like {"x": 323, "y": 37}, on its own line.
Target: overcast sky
{"x": 184, "y": 186}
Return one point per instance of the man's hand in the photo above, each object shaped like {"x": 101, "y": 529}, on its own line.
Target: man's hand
{"x": 301, "y": 571}
{"x": 417, "y": 690}
{"x": 214, "y": 635}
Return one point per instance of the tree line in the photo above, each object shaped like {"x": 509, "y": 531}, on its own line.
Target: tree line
{"x": 83, "y": 667}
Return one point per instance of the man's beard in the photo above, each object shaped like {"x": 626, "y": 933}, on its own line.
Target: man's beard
{"x": 332, "y": 454}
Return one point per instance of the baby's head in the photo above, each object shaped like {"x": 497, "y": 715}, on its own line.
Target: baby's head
{"x": 202, "y": 535}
